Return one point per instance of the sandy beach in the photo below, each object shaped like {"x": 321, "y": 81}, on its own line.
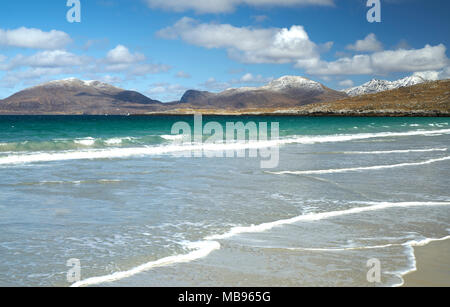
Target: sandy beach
{"x": 433, "y": 266}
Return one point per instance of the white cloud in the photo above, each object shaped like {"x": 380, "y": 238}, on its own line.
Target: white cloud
{"x": 34, "y": 38}
{"x": 368, "y": 44}
{"x": 145, "y": 69}
{"x": 182, "y": 74}
{"x": 122, "y": 55}
{"x": 434, "y": 75}
{"x": 50, "y": 64}
{"x": 120, "y": 59}
{"x": 53, "y": 58}
{"x": 428, "y": 75}
{"x": 246, "y": 44}
{"x": 32, "y": 76}
{"x": 445, "y": 74}
{"x": 383, "y": 62}
{"x": 166, "y": 91}
{"x": 225, "y": 6}
{"x": 250, "y": 78}
{"x": 216, "y": 86}
{"x": 346, "y": 83}
{"x": 213, "y": 85}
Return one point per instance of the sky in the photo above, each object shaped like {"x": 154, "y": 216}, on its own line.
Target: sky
{"x": 162, "y": 48}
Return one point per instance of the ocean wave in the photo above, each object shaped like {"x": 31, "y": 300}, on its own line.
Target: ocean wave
{"x": 201, "y": 250}
{"x": 172, "y": 137}
{"x": 393, "y": 151}
{"x": 357, "y": 169}
{"x": 71, "y": 182}
{"x": 210, "y": 244}
{"x": 410, "y": 245}
{"x": 85, "y": 142}
{"x": 126, "y": 152}
{"x": 114, "y": 141}
{"x": 359, "y": 136}
{"x": 401, "y": 274}
{"x": 320, "y": 216}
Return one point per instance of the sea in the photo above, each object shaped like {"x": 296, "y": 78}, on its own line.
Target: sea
{"x": 123, "y": 201}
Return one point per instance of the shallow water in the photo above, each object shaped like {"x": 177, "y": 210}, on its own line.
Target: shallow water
{"x": 114, "y": 193}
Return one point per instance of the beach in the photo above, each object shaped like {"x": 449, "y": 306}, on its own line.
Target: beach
{"x": 136, "y": 205}
{"x": 433, "y": 266}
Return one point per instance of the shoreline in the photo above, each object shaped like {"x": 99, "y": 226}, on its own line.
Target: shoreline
{"x": 432, "y": 266}
{"x": 249, "y": 113}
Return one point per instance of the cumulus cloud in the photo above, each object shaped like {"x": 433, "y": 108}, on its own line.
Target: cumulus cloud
{"x": 122, "y": 55}
{"x": 34, "y": 38}
{"x": 383, "y": 62}
{"x": 346, "y": 83}
{"x": 53, "y": 58}
{"x": 225, "y": 6}
{"x": 434, "y": 75}
{"x": 246, "y": 44}
{"x": 368, "y": 44}
{"x": 48, "y": 64}
{"x": 121, "y": 59}
{"x": 445, "y": 73}
{"x": 32, "y": 76}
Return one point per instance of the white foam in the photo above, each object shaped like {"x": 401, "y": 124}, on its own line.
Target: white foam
{"x": 342, "y": 249}
{"x": 393, "y": 151}
{"x": 411, "y": 245}
{"x": 85, "y": 142}
{"x": 360, "y": 136}
{"x": 113, "y": 153}
{"x": 357, "y": 169}
{"x": 114, "y": 141}
{"x": 320, "y": 216}
{"x": 172, "y": 137}
{"x": 202, "y": 249}
{"x": 414, "y": 243}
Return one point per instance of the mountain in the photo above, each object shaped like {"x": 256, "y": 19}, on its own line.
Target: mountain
{"x": 423, "y": 99}
{"x": 73, "y": 96}
{"x": 284, "y": 92}
{"x": 287, "y": 95}
{"x": 377, "y": 86}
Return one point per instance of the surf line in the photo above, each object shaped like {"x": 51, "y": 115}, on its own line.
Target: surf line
{"x": 411, "y": 245}
{"x": 211, "y": 244}
{"x": 356, "y": 169}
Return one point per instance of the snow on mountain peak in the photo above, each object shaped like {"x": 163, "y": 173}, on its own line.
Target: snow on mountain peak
{"x": 282, "y": 84}
{"x": 74, "y": 82}
{"x": 377, "y": 86}
{"x": 293, "y": 82}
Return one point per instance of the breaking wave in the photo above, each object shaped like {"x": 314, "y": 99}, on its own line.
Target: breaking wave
{"x": 210, "y": 244}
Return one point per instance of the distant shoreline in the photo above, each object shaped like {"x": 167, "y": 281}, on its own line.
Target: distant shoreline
{"x": 262, "y": 114}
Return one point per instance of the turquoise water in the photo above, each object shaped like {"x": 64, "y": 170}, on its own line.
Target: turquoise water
{"x": 115, "y": 193}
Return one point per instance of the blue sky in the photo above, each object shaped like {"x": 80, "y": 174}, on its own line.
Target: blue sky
{"x": 164, "y": 47}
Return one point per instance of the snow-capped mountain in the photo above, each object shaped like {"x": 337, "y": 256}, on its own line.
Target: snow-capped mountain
{"x": 74, "y": 96}
{"x": 282, "y": 92}
{"x": 376, "y": 86}
{"x": 283, "y": 84}
{"x": 77, "y": 83}
{"x": 293, "y": 82}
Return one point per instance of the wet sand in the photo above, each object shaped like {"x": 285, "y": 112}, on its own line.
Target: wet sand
{"x": 433, "y": 266}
